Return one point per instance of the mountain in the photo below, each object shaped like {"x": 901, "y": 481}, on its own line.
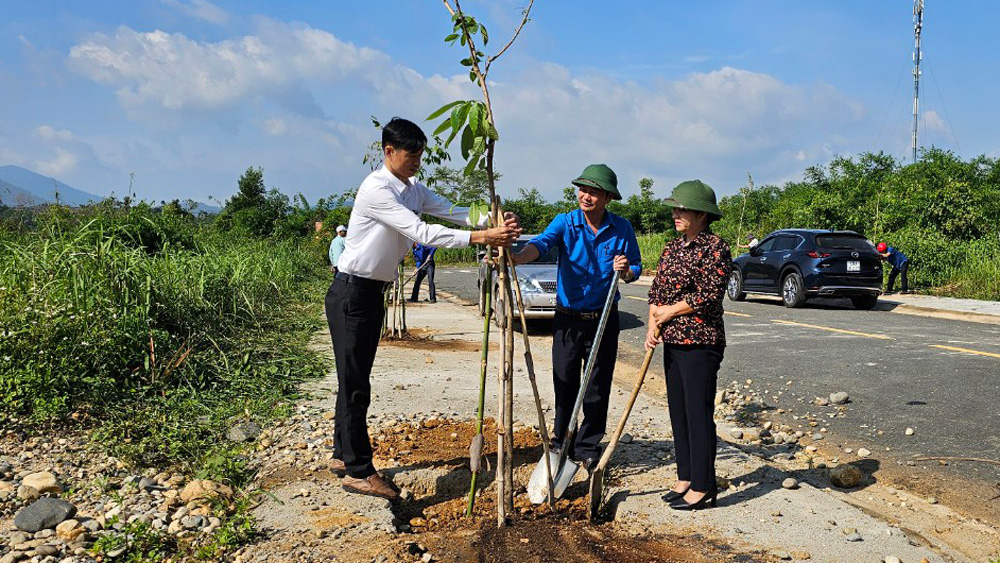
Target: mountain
{"x": 24, "y": 184}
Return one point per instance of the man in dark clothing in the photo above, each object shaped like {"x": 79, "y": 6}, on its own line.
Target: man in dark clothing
{"x": 423, "y": 256}
{"x": 900, "y": 265}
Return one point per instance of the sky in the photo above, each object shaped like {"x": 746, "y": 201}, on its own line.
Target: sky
{"x": 187, "y": 94}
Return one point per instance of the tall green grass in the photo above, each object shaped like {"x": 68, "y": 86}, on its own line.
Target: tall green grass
{"x": 158, "y": 331}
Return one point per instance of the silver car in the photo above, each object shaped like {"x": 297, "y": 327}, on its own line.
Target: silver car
{"x": 537, "y": 280}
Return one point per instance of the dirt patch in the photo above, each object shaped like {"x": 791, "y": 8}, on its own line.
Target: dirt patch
{"x": 437, "y": 524}
{"x": 428, "y": 343}
{"x": 441, "y": 441}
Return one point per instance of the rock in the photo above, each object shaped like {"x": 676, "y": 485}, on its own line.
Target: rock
{"x": 821, "y": 402}
{"x": 839, "y": 398}
{"x": 43, "y": 514}
{"x": 147, "y": 484}
{"x": 427, "y": 557}
{"x": 752, "y": 434}
{"x": 70, "y": 529}
{"x": 892, "y": 559}
{"x": 846, "y": 476}
{"x": 790, "y": 483}
{"x": 43, "y": 482}
{"x": 817, "y": 436}
{"x": 801, "y": 555}
{"x": 6, "y": 486}
{"x": 932, "y": 500}
{"x": 204, "y": 490}
{"x": 854, "y": 537}
{"x": 27, "y": 493}
{"x": 720, "y": 397}
{"x": 864, "y": 452}
{"x": 625, "y": 439}
{"x": 18, "y": 538}
{"x": 734, "y": 432}
{"x": 244, "y": 432}
{"x": 910, "y": 432}
{"x": 46, "y": 551}
{"x": 783, "y": 555}
{"x": 11, "y": 557}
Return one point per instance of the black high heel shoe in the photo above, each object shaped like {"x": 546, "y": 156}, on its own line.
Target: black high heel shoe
{"x": 672, "y": 495}
{"x": 709, "y": 498}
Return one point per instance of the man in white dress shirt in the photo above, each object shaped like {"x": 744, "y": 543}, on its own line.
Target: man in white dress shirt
{"x": 384, "y": 223}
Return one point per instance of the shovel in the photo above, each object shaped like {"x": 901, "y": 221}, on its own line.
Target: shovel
{"x": 597, "y": 476}
{"x": 564, "y": 469}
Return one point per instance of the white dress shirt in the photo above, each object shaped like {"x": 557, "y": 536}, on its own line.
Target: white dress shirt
{"x": 386, "y": 220}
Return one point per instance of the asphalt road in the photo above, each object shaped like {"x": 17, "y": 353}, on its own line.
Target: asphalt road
{"x": 901, "y": 370}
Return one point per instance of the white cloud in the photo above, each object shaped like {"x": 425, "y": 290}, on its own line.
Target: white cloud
{"x": 48, "y": 133}
{"x": 932, "y": 122}
{"x": 174, "y": 72}
{"x": 63, "y": 163}
{"x": 201, "y": 9}
{"x": 275, "y": 127}
{"x": 697, "y": 59}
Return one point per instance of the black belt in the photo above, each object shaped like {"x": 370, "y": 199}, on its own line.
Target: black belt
{"x": 583, "y": 315}
{"x": 360, "y": 281}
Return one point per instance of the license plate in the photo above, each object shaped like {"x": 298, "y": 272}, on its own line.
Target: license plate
{"x": 853, "y": 265}
{"x": 552, "y": 300}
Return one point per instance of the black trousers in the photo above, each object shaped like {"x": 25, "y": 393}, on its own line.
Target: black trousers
{"x": 692, "y": 374}
{"x": 354, "y": 313}
{"x": 427, "y": 272}
{"x": 572, "y": 339}
{"x": 901, "y": 271}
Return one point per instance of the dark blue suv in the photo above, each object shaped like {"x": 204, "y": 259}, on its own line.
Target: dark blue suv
{"x": 801, "y": 263}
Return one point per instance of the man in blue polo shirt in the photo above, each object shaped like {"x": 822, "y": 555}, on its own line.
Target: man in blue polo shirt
{"x": 594, "y": 245}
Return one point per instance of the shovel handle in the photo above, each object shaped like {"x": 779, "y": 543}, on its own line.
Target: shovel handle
{"x": 609, "y": 451}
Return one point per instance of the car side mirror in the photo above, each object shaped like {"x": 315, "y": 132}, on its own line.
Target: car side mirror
{"x": 755, "y": 251}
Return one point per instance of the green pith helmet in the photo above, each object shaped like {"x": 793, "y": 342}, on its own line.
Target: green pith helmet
{"x": 599, "y": 176}
{"x": 695, "y": 195}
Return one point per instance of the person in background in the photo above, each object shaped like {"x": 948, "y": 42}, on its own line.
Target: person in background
{"x": 685, "y": 305}
{"x": 594, "y": 246}
{"x": 423, "y": 257}
{"x": 337, "y": 247}
{"x": 900, "y": 265}
{"x": 751, "y": 242}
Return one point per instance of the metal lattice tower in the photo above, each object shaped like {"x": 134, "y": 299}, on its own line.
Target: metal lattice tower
{"x": 918, "y": 25}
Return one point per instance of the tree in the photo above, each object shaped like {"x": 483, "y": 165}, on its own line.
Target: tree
{"x": 253, "y": 210}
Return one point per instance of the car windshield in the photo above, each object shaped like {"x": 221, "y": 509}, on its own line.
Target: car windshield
{"x": 551, "y": 257}
{"x": 845, "y": 242}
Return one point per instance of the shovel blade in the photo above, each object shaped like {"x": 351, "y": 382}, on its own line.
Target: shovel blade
{"x": 538, "y": 485}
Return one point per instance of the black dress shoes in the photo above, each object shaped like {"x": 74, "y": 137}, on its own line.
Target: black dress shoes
{"x": 671, "y": 496}
{"x": 703, "y": 502}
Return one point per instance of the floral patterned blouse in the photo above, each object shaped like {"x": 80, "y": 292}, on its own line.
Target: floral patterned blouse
{"x": 696, "y": 273}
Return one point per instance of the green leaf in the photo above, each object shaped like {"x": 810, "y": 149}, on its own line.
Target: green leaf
{"x": 472, "y": 75}
{"x": 441, "y": 128}
{"x": 474, "y": 115}
{"x": 451, "y": 38}
{"x": 440, "y": 111}
{"x": 471, "y": 165}
{"x": 468, "y": 139}
{"x": 479, "y": 145}
{"x": 466, "y": 62}
{"x": 486, "y": 36}
{"x": 491, "y": 131}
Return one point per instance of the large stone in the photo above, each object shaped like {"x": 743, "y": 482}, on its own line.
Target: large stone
{"x": 752, "y": 434}
{"x": 203, "y": 490}
{"x": 839, "y": 398}
{"x": 244, "y": 432}
{"x": 43, "y": 514}
{"x": 846, "y": 476}
{"x": 70, "y": 529}
{"x": 43, "y": 482}
{"x": 27, "y": 493}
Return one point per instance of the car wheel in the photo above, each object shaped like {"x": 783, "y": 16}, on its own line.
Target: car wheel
{"x": 735, "y": 287}
{"x": 792, "y": 293}
{"x": 864, "y": 302}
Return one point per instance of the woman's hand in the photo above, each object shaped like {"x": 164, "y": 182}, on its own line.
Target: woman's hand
{"x": 661, "y": 314}
{"x": 652, "y": 337}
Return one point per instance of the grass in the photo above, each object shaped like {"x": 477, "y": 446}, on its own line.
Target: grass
{"x": 156, "y": 332}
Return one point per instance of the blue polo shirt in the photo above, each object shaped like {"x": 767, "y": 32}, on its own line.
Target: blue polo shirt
{"x": 896, "y": 257}
{"x": 586, "y": 258}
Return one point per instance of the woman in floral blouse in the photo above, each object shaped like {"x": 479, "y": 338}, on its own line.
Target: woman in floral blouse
{"x": 685, "y": 302}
